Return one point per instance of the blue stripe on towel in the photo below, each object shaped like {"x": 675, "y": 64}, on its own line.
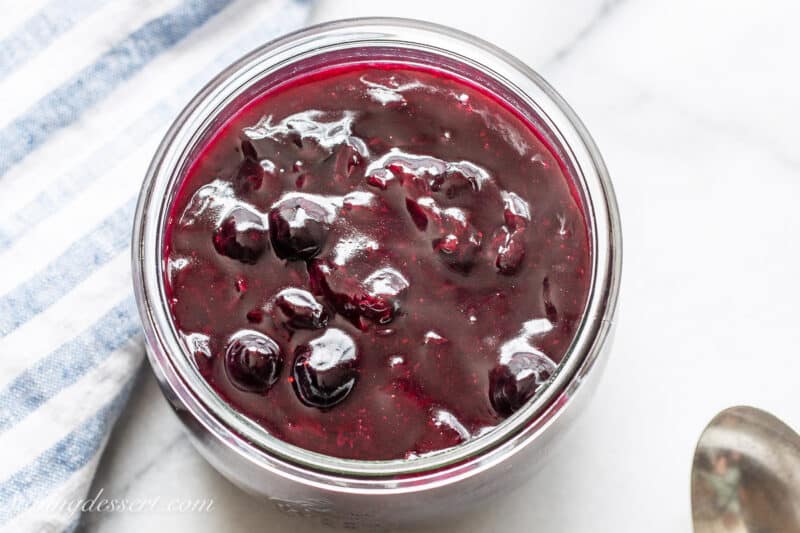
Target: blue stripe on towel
{"x": 73, "y": 266}
{"x": 65, "y": 104}
{"x": 75, "y": 523}
{"x": 67, "y": 363}
{"x": 36, "y": 33}
{"x": 59, "y": 193}
{"x": 34, "y": 481}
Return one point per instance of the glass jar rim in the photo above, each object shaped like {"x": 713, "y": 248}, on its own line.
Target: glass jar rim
{"x": 171, "y": 361}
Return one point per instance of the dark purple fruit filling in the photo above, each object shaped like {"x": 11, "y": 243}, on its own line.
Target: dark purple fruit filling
{"x": 377, "y": 261}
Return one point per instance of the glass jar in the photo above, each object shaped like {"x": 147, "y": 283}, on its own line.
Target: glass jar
{"x": 371, "y": 493}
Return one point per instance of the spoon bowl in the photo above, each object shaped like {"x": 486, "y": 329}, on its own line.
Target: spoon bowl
{"x": 746, "y": 475}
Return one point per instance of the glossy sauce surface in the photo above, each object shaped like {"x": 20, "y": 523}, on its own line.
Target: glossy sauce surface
{"x": 377, "y": 261}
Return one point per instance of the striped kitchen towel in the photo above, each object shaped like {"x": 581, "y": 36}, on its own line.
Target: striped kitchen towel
{"x": 87, "y": 90}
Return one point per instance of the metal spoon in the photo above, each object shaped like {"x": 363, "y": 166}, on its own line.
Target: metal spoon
{"x": 746, "y": 475}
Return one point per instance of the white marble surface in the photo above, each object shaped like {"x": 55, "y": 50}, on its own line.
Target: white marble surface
{"x": 695, "y": 107}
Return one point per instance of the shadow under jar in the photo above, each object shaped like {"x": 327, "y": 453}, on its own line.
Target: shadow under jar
{"x": 377, "y": 263}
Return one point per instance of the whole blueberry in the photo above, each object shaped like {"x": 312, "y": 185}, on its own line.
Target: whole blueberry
{"x": 253, "y": 361}
{"x": 326, "y": 369}
{"x": 298, "y": 309}
{"x": 241, "y": 235}
{"x": 514, "y": 382}
{"x": 299, "y": 228}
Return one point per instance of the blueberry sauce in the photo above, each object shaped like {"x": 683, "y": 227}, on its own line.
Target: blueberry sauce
{"x": 377, "y": 261}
